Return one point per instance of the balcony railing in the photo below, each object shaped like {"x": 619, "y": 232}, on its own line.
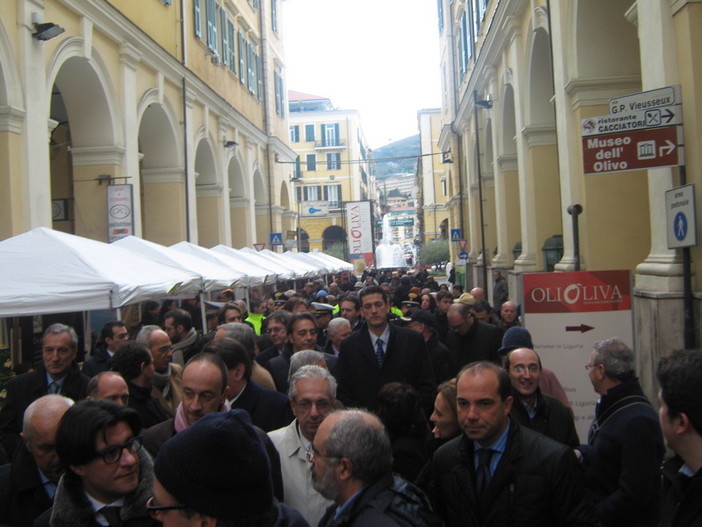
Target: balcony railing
{"x": 337, "y": 143}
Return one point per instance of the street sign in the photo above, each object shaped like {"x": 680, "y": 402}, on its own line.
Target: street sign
{"x": 634, "y": 150}
{"x": 462, "y": 244}
{"x": 463, "y": 255}
{"x": 654, "y": 118}
{"x": 456, "y": 235}
{"x": 680, "y": 215}
{"x": 259, "y": 246}
{"x": 276, "y": 239}
{"x": 634, "y": 102}
{"x": 315, "y": 208}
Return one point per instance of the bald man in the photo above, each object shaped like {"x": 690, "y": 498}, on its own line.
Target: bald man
{"x": 110, "y": 386}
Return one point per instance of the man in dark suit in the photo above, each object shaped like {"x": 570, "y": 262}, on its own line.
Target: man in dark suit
{"x": 28, "y": 484}
{"x": 113, "y": 334}
{"x": 58, "y": 373}
{"x": 380, "y": 353}
{"x": 269, "y": 410}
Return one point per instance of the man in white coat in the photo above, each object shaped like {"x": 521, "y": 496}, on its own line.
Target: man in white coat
{"x": 312, "y": 395}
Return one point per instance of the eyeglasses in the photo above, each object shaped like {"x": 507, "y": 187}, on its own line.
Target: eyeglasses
{"x": 154, "y": 509}
{"x": 306, "y": 404}
{"x": 114, "y": 453}
{"x": 313, "y": 453}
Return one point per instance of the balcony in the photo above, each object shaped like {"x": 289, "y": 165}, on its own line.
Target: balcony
{"x": 337, "y": 144}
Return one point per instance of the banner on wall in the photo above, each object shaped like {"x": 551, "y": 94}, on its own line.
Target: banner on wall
{"x": 360, "y": 233}
{"x": 120, "y": 204}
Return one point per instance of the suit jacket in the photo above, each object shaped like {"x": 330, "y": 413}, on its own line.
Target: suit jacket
{"x": 279, "y": 367}
{"x": 22, "y": 494}
{"x": 25, "y": 389}
{"x": 359, "y": 377}
{"x": 99, "y": 362}
{"x": 269, "y": 410}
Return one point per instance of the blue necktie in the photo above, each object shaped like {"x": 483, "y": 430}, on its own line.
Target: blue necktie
{"x": 379, "y": 353}
{"x": 53, "y": 387}
{"x": 483, "y": 474}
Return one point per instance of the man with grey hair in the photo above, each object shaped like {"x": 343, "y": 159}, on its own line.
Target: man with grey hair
{"x": 57, "y": 373}
{"x": 28, "y": 484}
{"x": 312, "y": 395}
{"x": 625, "y": 443}
{"x": 352, "y": 465}
{"x": 167, "y": 386}
{"x": 338, "y": 329}
{"x": 247, "y": 338}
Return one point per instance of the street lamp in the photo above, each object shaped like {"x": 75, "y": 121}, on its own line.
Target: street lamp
{"x": 486, "y": 105}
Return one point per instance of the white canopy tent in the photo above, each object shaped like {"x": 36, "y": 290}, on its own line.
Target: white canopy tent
{"x": 275, "y": 258}
{"x": 334, "y": 261}
{"x": 253, "y": 258}
{"x": 322, "y": 267}
{"x": 46, "y": 271}
{"x": 303, "y": 269}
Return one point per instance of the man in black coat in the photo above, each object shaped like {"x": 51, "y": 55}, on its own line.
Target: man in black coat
{"x": 625, "y": 443}
{"x": 469, "y": 339}
{"x": 352, "y": 465}
{"x": 381, "y": 353}
{"x": 28, "y": 484}
{"x": 499, "y": 474}
{"x": 680, "y": 415}
{"x": 112, "y": 335}
{"x": 58, "y": 373}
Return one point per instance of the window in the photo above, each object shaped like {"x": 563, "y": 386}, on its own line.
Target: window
{"x": 274, "y": 15}
{"x": 441, "y": 15}
{"x": 298, "y": 174}
{"x": 334, "y": 161}
{"x": 211, "y": 25}
{"x": 259, "y": 77}
{"x": 311, "y": 162}
{"x": 295, "y": 136}
{"x": 197, "y": 20}
{"x": 280, "y": 98}
{"x": 466, "y": 44}
{"x": 309, "y": 132}
{"x": 232, "y": 46}
{"x": 312, "y": 193}
{"x": 443, "y": 186}
{"x": 255, "y": 4}
{"x": 330, "y": 134}
{"x": 333, "y": 195}
{"x": 225, "y": 36}
{"x": 250, "y": 67}
{"x": 242, "y": 58}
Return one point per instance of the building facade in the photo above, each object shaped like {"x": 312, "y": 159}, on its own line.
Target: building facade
{"x": 432, "y": 179}
{"x": 333, "y": 166}
{"x": 518, "y": 78}
{"x": 184, "y": 100}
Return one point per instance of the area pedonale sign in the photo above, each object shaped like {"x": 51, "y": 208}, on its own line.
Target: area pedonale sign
{"x": 643, "y": 130}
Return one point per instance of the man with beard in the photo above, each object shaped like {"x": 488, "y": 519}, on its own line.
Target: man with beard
{"x": 312, "y": 397}
{"x": 352, "y": 465}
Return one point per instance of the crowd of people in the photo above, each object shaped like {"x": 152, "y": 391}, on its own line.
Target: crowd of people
{"x": 391, "y": 400}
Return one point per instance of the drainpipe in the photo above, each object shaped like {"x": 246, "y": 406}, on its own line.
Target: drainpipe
{"x": 185, "y": 122}
{"x": 266, "y": 112}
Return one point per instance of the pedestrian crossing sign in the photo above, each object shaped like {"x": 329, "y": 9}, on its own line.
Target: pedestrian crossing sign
{"x": 276, "y": 238}
{"x": 456, "y": 235}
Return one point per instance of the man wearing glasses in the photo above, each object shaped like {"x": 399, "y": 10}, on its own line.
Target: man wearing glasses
{"x": 533, "y": 409}
{"x": 312, "y": 396}
{"x": 58, "y": 374}
{"x": 108, "y": 477}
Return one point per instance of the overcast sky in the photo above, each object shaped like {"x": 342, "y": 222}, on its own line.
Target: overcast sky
{"x": 380, "y": 57}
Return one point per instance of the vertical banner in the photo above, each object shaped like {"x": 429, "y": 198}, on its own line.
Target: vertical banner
{"x": 566, "y": 313}
{"x": 120, "y": 204}
{"x": 358, "y": 221}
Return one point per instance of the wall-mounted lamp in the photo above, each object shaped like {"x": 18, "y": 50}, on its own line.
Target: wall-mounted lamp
{"x": 230, "y": 144}
{"x": 47, "y": 31}
{"x": 447, "y": 157}
{"x": 485, "y": 104}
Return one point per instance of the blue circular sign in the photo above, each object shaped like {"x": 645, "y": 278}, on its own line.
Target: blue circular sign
{"x": 463, "y": 255}
{"x": 680, "y": 226}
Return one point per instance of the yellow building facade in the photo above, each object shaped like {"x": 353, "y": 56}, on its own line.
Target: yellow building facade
{"x": 333, "y": 166}
{"x": 518, "y": 78}
{"x": 433, "y": 178}
{"x": 184, "y": 100}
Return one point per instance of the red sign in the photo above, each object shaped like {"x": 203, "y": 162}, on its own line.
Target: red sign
{"x": 577, "y": 292}
{"x": 462, "y": 244}
{"x": 633, "y": 150}
{"x": 259, "y": 246}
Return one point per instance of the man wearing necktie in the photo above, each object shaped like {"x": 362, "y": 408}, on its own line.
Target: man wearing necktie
{"x": 499, "y": 474}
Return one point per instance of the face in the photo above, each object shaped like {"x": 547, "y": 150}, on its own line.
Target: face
{"x": 426, "y": 303}
{"x": 416, "y": 326}
{"x": 202, "y": 390}
{"x": 113, "y": 388}
{"x": 41, "y": 443}
{"x": 232, "y": 315}
{"x": 445, "y": 423}
{"x": 160, "y": 347}
{"x": 313, "y": 402}
{"x": 668, "y": 423}
{"x": 303, "y": 336}
{"x": 444, "y": 304}
{"x": 278, "y": 333}
{"x": 172, "y": 517}
{"x": 524, "y": 371}
{"x": 348, "y": 311}
{"x": 119, "y": 335}
{"x": 482, "y": 414}
{"x": 483, "y": 316}
{"x": 596, "y": 374}
{"x": 340, "y": 334}
{"x": 109, "y": 482}
{"x": 172, "y": 330}
{"x": 58, "y": 354}
{"x": 323, "y": 471}
{"x": 323, "y": 320}
{"x": 508, "y": 312}
{"x": 375, "y": 310}
{"x": 459, "y": 322}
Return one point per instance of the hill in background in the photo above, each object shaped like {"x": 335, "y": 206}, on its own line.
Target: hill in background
{"x": 407, "y": 148}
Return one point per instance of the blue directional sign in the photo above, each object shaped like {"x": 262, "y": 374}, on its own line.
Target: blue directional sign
{"x": 276, "y": 238}
{"x": 463, "y": 255}
{"x": 456, "y": 235}
{"x": 680, "y": 216}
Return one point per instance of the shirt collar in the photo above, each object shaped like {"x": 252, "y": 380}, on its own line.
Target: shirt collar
{"x": 500, "y": 444}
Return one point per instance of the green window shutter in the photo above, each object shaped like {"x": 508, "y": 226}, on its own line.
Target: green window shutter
{"x": 259, "y": 77}
{"x": 309, "y": 132}
{"x": 232, "y": 46}
{"x": 242, "y": 58}
{"x": 197, "y": 19}
{"x": 225, "y": 36}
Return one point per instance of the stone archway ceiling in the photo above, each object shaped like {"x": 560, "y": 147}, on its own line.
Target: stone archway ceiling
{"x": 157, "y": 140}
{"x": 205, "y": 164}
{"x": 235, "y": 175}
